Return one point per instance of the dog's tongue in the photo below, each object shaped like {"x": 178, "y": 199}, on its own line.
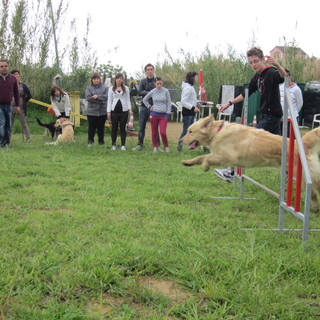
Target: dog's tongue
{"x": 193, "y": 145}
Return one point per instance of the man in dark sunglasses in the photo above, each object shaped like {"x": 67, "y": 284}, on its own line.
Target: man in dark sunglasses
{"x": 8, "y": 90}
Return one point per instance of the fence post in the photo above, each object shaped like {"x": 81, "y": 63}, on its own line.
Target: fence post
{"x": 75, "y": 107}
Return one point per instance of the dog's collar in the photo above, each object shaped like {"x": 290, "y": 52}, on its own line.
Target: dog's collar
{"x": 68, "y": 124}
{"x": 220, "y": 126}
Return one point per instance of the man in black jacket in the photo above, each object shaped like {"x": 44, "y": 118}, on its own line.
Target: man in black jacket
{"x": 266, "y": 81}
{"x": 25, "y": 96}
{"x": 146, "y": 85}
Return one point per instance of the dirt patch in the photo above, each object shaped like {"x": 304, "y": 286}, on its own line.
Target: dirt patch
{"x": 174, "y": 130}
{"x": 109, "y": 304}
{"x": 166, "y": 288}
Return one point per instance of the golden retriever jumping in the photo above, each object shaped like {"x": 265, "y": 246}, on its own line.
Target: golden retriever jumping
{"x": 236, "y": 145}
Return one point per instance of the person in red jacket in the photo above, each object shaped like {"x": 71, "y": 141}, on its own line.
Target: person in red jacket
{"x": 8, "y": 90}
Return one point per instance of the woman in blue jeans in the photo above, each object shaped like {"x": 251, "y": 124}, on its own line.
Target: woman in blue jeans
{"x": 189, "y": 103}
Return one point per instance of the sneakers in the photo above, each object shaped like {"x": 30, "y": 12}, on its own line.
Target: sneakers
{"x": 224, "y": 174}
{"x": 90, "y": 145}
{"x": 155, "y": 149}
{"x": 167, "y": 149}
{"x": 123, "y": 148}
{"x": 113, "y": 148}
{"x": 137, "y": 148}
{"x": 160, "y": 150}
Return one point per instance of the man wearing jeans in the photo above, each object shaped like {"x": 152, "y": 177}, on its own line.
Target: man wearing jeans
{"x": 145, "y": 86}
{"x": 266, "y": 81}
{"x": 8, "y": 90}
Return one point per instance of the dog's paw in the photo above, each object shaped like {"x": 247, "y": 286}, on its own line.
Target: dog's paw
{"x": 187, "y": 163}
{"x": 205, "y": 167}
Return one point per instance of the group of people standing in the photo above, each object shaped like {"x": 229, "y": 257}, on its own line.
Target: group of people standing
{"x": 114, "y": 103}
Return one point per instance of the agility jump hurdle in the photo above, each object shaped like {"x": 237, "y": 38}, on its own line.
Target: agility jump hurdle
{"x": 302, "y": 166}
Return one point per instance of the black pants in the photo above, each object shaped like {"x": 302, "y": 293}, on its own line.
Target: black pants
{"x": 116, "y": 119}
{"x": 96, "y": 123}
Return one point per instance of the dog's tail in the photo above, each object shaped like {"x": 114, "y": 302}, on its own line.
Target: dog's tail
{"x": 40, "y": 123}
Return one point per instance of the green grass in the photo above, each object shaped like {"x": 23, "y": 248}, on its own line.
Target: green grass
{"x": 80, "y": 227}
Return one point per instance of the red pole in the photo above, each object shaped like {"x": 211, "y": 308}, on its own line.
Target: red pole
{"x": 201, "y": 78}
{"x": 290, "y": 165}
{"x": 297, "y": 201}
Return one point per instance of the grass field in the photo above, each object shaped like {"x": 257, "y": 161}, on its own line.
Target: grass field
{"x": 90, "y": 233}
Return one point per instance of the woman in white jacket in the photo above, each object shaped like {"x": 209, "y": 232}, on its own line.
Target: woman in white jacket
{"x": 189, "y": 103}
{"x": 119, "y": 106}
{"x": 60, "y": 102}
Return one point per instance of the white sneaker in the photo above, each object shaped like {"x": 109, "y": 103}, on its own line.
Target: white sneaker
{"x": 113, "y": 148}
{"x": 224, "y": 174}
{"x": 123, "y": 148}
{"x": 160, "y": 150}
{"x": 90, "y": 145}
{"x": 137, "y": 148}
{"x": 155, "y": 149}
{"x": 167, "y": 149}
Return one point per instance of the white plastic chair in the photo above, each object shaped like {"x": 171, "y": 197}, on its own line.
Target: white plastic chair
{"x": 226, "y": 114}
{"x": 178, "y": 106}
{"x": 315, "y": 120}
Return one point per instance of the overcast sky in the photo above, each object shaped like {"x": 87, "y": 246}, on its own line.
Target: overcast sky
{"x": 133, "y": 33}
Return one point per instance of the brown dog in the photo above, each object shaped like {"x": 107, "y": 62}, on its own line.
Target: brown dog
{"x": 67, "y": 134}
{"x": 236, "y": 145}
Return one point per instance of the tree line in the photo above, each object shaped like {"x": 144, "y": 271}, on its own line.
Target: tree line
{"x": 30, "y": 33}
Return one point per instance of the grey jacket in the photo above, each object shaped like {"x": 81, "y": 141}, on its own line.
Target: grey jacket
{"x": 97, "y": 107}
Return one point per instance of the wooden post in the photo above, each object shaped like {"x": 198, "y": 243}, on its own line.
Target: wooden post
{"x": 75, "y": 107}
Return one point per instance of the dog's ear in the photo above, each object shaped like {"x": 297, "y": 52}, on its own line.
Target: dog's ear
{"x": 207, "y": 122}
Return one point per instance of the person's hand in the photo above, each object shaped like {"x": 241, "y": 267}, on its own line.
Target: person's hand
{"x": 130, "y": 112}
{"x": 17, "y": 109}
{"x": 271, "y": 60}
{"x": 196, "y": 109}
{"x": 151, "y": 108}
{"x": 109, "y": 115}
{"x": 94, "y": 96}
{"x": 224, "y": 107}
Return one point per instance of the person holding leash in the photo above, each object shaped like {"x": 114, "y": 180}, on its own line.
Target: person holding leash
{"x": 60, "y": 102}
{"x": 266, "y": 80}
